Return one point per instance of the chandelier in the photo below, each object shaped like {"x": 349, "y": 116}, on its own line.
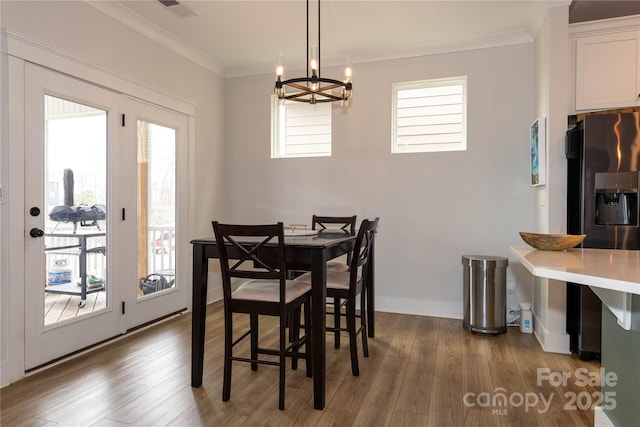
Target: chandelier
{"x": 313, "y": 88}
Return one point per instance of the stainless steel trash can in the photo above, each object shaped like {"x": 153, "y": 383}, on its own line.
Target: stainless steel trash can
{"x": 485, "y": 294}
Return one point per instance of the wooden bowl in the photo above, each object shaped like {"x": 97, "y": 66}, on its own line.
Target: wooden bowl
{"x": 552, "y": 242}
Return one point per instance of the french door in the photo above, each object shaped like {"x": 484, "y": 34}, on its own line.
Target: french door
{"x": 101, "y": 214}
{"x": 156, "y": 153}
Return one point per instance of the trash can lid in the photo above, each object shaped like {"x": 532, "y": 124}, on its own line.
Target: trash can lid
{"x": 484, "y": 261}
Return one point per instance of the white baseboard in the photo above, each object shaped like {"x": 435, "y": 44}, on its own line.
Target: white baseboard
{"x": 214, "y": 295}
{"x": 554, "y": 343}
{"x": 392, "y": 305}
{"x": 551, "y": 343}
{"x": 600, "y": 418}
{"x": 419, "y": 307}
{"x": 5, "y": 379}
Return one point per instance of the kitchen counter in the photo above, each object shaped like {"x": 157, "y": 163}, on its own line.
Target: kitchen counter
{"x": 612, "y": 269}
{"x": 612, "y": 274}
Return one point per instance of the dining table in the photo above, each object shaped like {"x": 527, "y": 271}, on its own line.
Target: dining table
{"x": 307, "y": 251}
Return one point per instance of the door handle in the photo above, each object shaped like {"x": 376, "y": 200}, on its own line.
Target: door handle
{"x": 36, "y": 232}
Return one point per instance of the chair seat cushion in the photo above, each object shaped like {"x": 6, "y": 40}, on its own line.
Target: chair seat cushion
{"x": 335, "y": 279}
{"x": 337, "y": 266}
{"x": 269, "y": 290}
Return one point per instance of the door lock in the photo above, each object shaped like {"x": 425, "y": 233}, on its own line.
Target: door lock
{"x": 36, "y": 232}
{"x": 34, "y": 211}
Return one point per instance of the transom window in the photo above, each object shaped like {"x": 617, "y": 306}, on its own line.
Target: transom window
{"x": 299, "y": 129}
{"x": 429, "y": 115}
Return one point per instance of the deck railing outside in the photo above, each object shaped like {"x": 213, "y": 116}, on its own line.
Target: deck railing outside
{"x": 162, "y": 248}
{"x": 161, "y": 253}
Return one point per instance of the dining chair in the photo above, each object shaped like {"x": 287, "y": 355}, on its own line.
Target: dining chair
{"x": 345, "y": 286}
{"x": 339, "y": 224}
{"x": 346, "y": 224}
{"x": 264, "y": 291}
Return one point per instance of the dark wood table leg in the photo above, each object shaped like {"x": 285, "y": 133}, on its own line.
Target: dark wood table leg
{"x": 200, "y": 273}
{"x": 318, "y": 324}
{"x": 371, "y": 294}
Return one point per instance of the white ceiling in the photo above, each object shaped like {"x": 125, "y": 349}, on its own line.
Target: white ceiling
{"x": 238, "y": 37}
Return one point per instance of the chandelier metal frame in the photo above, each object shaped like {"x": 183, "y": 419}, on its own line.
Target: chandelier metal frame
{"x": 313, "y": 88}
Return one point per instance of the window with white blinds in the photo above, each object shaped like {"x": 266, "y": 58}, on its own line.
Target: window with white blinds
{"x": 429, "y": 115}
{"x": 299, "y": 129}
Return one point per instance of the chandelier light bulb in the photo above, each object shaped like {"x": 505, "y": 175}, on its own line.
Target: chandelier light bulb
{"x": 314, "y": 60}
{"x": 279, "y": 67}
{"x": 347, "y": 74}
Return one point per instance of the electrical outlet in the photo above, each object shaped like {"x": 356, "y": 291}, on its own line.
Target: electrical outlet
{"x": 512, "y": 297}
{"x": 513, "y": 311}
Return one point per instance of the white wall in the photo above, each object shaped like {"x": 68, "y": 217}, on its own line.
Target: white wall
{"x": 434, "y": 207}
{"x": 84, "y": 42}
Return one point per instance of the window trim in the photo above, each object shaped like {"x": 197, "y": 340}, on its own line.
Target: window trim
{"x": 428, "y": 148}
{"x": 278, "y": 146}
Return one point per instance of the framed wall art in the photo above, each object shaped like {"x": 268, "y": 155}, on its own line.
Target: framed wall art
{"x": 538, "y": 142}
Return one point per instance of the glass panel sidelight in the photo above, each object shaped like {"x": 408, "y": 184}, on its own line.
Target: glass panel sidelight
{"x": 75, "y": 148}
{"x": 156, "y": 183}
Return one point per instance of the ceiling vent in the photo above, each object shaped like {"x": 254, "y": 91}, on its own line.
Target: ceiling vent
{"x": 177, "y": 8}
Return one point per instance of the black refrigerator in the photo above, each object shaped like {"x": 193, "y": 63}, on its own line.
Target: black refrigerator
{"x": 603, "y": 159}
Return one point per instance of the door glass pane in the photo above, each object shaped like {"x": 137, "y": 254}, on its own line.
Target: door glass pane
{"x": 156, "y": 184}
{"x": 75, "y": 214}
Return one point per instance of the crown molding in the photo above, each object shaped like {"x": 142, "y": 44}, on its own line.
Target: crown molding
{"x": 145, "y": 27}
{"x": 604, "y": 26}
{"x": 483, "y": 42}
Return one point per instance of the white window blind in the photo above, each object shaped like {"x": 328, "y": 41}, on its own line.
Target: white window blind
{"x": 300, "y": 129}
{"x": 429, "y": 115}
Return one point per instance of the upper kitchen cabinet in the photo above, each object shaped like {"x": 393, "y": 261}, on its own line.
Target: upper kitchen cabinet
{"x": 607, "y": 63}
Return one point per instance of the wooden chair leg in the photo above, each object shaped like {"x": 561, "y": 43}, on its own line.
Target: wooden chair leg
{"x": 228, "y": 353}
{"x": 336, "y": 321}
{"x": 363, "y": 323}
{"x": 307, "y": 331}
{"x": 254, "y": 340}
{"x": 294, "y": 335}
{"x": 353, "y": 337}
{"x": 283, "y": 361}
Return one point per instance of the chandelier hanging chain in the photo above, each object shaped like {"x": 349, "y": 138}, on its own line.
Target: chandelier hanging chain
{"x": 313, "y": 88}
{"x": 308, "y": 57}
{"x": 318, "y": 58}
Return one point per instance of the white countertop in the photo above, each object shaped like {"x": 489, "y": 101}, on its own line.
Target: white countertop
{"x": 613, "y": 269}
{"x": 612, "y": 274}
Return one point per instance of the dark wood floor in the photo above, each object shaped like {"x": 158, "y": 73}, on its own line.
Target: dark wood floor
{"x": 422, "y": 371}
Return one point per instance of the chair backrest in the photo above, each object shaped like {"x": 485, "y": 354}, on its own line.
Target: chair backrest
{"x": 245, "y": 246}
{"x": 345, "y": 223}
{"x": 362, "y": 248}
